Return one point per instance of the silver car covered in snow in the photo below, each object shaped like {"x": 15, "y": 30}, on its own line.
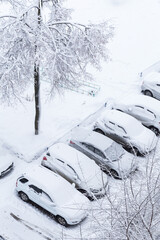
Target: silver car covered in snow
{"x": 151, "y": 85}
{"x": 109, "y": 155}
{"x": 126, "y": 130}
{"x": 143, "y": 108}
{"x": 76, "y": 168}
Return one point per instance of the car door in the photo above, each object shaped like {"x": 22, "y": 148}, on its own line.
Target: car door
{"x": 34, "y": 193}
{"x": 100, "y": 157}
{"x": 65, "y": 170}
{"x": 121, "y": 135}
{"x": 111, "y": 130}
{"x": 88, "y": 149}
{"x": 157, "y": 91}
{"x": 142, "y": 114}
{"x": 47, "y": 202}
{"x": 71, "y": 175}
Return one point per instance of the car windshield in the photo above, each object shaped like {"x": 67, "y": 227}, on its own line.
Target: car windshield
{"x": 114, "y": 151}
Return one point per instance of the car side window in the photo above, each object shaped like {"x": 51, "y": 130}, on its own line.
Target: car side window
{"x": 91, "y": 148}
{"x": 110, "y": 125}
{"x": 138, "y": 111}
{"x": 139, "y": 106}
{"x": 71, "y": 170}
{"x": 35, "y": 189}
{"x": 60, "y": 162}
{"x": 121, "y": 130}
{"x": 98, "y": 152}
{"x": 158, "y": 84}
{"x": 46, "y": 197}
{"x": 151, "y": 113}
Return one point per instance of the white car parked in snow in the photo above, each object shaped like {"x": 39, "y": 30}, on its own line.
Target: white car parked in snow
{"x": 151, "y": 85}
{"x": 54, "y": 194}
{"x": 143, "y": 108}
{"x": 109, "y": 155}
{"x": 76, "y": 168}
{"x": 127, "y": 131}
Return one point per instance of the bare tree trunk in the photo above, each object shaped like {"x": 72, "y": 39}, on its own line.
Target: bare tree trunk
{"x": 37, "y": 77}
{"x": 37, "y": 98}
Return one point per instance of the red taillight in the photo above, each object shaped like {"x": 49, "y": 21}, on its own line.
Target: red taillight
{"x": 16, "y": 183}
{"x": 44, "y": 158}
{"x": 71, "y": 142}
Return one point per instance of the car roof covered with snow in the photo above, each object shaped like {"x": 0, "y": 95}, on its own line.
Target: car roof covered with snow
{"x": 141, "y": 100}
{"x": 95, "y": 139}
{"x": 152, "y": 77}
{"x": 123, "y": 120}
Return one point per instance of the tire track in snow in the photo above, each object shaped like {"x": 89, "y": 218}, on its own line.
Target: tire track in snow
{"x": 33, "y": 227}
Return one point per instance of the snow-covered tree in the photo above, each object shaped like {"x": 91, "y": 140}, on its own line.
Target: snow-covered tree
{"x": 132, "y": 210}
{"x": 39, "y": 40}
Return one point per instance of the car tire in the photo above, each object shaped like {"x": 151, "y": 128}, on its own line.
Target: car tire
{"x": 24, "y": 196}
{"x": 114, "y": 173}
{"x": 135, "y": 151}
{"x": 148, "y": 93}
{"x": 155, "y": 130}
{"x": 61, "y": 221}
{"x": 99, "y": 131}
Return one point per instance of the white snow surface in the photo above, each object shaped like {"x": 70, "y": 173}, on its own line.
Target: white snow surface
{"x": 134, "y": 48}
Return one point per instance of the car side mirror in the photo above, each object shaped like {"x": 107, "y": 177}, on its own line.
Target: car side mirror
{"x": 130, "y": 109}
{"x": 74, "y": 185}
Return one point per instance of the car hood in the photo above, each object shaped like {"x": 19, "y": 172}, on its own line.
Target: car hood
{"x": 96, "y": 181}
{"x": 77, "y": 206}
{"x": 125, "y": 164}
{"x": 147, "y": 140}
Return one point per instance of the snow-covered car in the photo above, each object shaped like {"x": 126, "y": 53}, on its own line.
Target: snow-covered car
{"x": 76, "y": 168}
{"x": 109, "y": 155}
{"x": 151, "y": 85}
{"x": 54, "y": 194}
{"x": 143, "y": 108}
{"x": 127, "y": 131}
{"x": 6, "y": 164}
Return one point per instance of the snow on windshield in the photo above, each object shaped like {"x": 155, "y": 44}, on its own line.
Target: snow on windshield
{"x": 114, "y": 152}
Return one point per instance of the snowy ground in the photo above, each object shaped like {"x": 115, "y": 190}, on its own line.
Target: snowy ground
{"x": 135, "y": 47}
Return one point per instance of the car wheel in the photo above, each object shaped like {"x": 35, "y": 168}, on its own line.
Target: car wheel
{"x": 135, "y": 151}
{"x": 24, "y": 196}
{"x": 113, "y": 173}
{"x": 148, "y": 93}
{"x": 61, "y": 220}
{"x": 99, "y": 131}
{"x": 155, "y": 130}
